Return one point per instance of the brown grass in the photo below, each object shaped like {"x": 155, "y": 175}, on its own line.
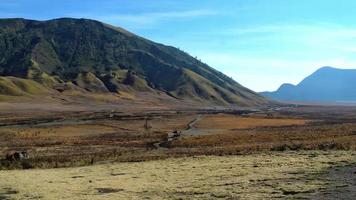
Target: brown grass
{"x": 223, "y": 121}
{"x": 338, "y": 137}
{"x": 277, "y": 175}
{"x": 84, "y": 136}
{"x": 76, "y": 142}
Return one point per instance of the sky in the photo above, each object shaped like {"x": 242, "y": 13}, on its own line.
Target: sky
{"x": 259, "y": 43}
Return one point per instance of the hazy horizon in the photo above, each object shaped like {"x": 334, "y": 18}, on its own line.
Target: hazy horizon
{"x": 258, "y": 43}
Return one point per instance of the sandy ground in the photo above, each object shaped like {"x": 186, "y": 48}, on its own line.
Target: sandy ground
{"x": 287, "y": 175}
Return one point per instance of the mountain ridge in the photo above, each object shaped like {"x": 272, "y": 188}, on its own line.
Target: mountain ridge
{"x": 98, "y": 57}
{"x": 327, "y": 84}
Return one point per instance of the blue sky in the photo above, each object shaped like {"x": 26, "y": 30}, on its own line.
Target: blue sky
{"x": 259, "y": 43}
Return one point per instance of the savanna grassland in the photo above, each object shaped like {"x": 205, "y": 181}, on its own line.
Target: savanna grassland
{"x": 178, "y": 153}
{"x": 274, "y": 175}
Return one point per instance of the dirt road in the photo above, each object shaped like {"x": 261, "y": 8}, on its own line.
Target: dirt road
{"x": 190, "y": 131}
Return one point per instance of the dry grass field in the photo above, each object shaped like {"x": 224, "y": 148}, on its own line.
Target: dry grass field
{"x": 78, "y": 139}
{"x": 64, "y": 138}
{"x": 220, "y": 154}
{"x": 223, "y": 121}
{"x": 230, "y": 134}
{"x": 287, "y": 175}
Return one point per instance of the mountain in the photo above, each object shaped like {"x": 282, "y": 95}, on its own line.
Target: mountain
{"x": 90, "y": 56}
{"x": 327, "y": 84}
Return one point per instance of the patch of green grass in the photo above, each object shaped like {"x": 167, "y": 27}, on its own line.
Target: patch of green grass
{"x": 20, "y": 87}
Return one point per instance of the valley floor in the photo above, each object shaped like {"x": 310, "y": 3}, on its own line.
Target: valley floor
{"x": 285, "y": 175}
{"x": 142, "y": 152}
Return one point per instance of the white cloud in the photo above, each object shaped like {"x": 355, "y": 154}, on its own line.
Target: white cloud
{"x": 319, "y": 36}
{"x": 155, "y": 17}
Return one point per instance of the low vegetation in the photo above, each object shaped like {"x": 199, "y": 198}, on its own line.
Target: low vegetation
{"x": 77, "y": 139}
{"x": 286, "y": 175}
{"x": 287, "y": 154}
{"x": 109, "y": 60}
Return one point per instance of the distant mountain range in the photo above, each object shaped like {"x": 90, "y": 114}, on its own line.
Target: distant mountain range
{"x": 89, "y": 56}
{"x": 327, "y": 84}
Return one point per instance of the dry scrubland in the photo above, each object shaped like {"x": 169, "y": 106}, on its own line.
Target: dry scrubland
{"x": 231, "y": 122}
{"x": 278, "y": 133}
{"x": 78, "y": 139}
{"x": 288, "y": 175}
{"x": 289, "y": 153}
{"x": 65, "y": 138}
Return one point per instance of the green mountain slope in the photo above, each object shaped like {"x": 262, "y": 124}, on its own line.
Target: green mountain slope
{"x": 101, "y": 58}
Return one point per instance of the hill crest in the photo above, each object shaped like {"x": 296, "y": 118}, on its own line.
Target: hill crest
{"x": 98, "y": 57}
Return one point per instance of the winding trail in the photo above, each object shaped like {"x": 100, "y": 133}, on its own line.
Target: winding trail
{"x": 192, "y": 123}
{"x": 189, "y": 131}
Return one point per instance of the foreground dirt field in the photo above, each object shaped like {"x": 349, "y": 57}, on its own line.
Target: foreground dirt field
{"x": 288, "y": 175}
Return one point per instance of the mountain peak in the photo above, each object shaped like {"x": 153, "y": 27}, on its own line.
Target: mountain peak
{"x": 325, "y": 84}
{"x": 286, "y": 86}
{"x": 96, "y": 57}
{"x": 327, "y": 69}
